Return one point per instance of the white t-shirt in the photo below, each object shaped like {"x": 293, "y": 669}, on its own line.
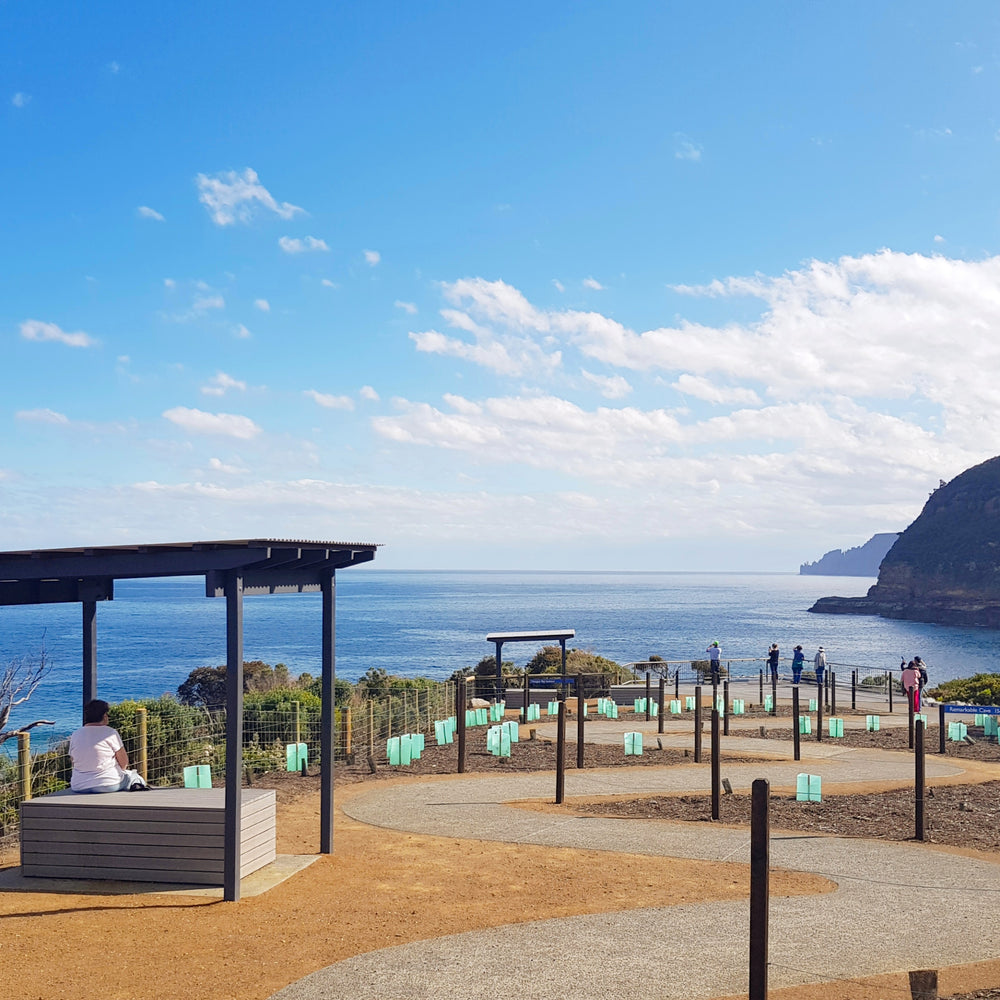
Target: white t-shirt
{"x": 92, "y": 750}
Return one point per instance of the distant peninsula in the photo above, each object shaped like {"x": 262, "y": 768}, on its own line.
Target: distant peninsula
{"x": 945, "y": 567}
{"x": 862, "y": 560}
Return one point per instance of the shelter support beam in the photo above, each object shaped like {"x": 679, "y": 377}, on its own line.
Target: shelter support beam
{"x": 328, "y": 713}
{"x": 89, "y": 651}
{"x": 234, "y": 735}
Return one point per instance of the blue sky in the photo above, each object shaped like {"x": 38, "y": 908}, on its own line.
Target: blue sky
{"x": 564, "y": 285}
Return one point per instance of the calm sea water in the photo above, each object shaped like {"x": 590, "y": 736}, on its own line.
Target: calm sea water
{"x": 432, "y": 623}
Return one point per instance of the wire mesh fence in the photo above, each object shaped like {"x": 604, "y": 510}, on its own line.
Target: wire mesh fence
{"x": 163, "y": 737}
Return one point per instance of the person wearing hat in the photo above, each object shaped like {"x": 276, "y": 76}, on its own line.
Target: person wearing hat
{"x": 922, "y": 671}
{"x": 819, "y": 661}
{"x": 715, "y": 661}
{"x": 798, "y": 659}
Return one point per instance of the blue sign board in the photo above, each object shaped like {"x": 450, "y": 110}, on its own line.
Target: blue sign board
{"x": 973, "y": 709}
{"x": 544, "y": 682}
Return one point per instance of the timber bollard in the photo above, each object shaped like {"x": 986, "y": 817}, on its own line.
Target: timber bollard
{"x": 560, "y": 754}
{"x": 918, "y": 781}
{"x": 460, "y": 722}
{"x": 888, "y": 675}
{"x": 796, "y": 736}
{"x": 760, "y": 864}
{"x": 663, "y": 705}
{"x": 649, "y": 694}
{"x": 677, "y": 683}
{"x": 142, "y": 750}
{"x": 581, "y": 717}
{"x": 941, "y": 748}
{"x": 725, "y": 708}
{"x": 819, "y": 714}
{"x": 697, "y": 724}
{"x": 854, "y": 690}
{"x": 774, "y": 694}
{"x": 716, "y": 763}
{"x": 924, "y": 984}
{"x": 761, "y": 702}
{"x": 909, "y": 706}
{"x": 24, "y": 764}
{"x": 833, "y": 692}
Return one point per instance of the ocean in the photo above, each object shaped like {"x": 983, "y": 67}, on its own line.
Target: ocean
{"x": 432, "y": 623}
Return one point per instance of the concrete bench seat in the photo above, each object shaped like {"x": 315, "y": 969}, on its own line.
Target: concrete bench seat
{"x": 163, "y": 835}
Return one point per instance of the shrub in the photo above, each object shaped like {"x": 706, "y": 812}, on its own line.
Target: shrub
{"x": 981, "y": 689}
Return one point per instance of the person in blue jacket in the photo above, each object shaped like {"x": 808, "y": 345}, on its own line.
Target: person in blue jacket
{"x": 798, "y": 658}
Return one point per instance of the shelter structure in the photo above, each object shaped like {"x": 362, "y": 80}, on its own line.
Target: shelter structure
{"x": 499, "y": 638}
{"x": 232, "y": 569}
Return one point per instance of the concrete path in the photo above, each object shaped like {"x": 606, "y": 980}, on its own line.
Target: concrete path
{"x": 948, "y": 903}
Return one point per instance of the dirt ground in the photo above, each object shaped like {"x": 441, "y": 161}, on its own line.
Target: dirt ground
{"x": 383, "y": 888}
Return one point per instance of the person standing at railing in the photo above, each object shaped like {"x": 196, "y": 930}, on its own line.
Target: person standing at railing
{"x": 819, "y": 663}
{"x": 910, "y": 679}
{"x": 921, "y": 672}
{"x": 773, "y": 656}
{"x": 715, "y": 662}
{"x": 798, "y": 659}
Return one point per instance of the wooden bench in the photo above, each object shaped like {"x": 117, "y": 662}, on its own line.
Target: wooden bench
{"x": 163, "y": 835}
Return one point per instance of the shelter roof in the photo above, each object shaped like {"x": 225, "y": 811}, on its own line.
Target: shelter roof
{"x": 559, "y": 634}
{"x": 87, "y": 573}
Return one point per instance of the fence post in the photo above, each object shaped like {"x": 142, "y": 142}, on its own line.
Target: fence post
{"x": 909, "y": 704}
{"x": 819, "y": 711}
{"x": 24, "y": 763}
{"x": 854, "y": 690}
{"x": 760, "y": 863}
{"x": 833, "y": 692}
{"x": 725, "y": 707}
{"x": 296, "y": 722}
{"x": 371, "y": 727}
{"x": 348, "y": 733}
{"x": 716, "y": 763}
{"x": 918, "y": 780}
{"x": 888, "y": 674}
{"x": 560, "y": 753}
{"x": 774, "y": 693}
{"x": 460, "y": 722}
{"x": 142, "y": 750}
{"x": 761, "y": 702}
{"x": 941, "y": 748}
{"x": 663, "y": 704}
{"x": 697, "y": 724}
{"x": 796, "y": 736}
{"x": 677, "y": 682}
{"x": 649, "y": 695}
{"x": 405, "y": 711}
{"x": 388, "y": 718}
{"x": 580, "y": 701}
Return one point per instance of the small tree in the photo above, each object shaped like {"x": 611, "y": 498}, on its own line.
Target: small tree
{"x": 18, "y": 681}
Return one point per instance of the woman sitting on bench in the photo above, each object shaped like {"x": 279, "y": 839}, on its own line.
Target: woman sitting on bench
{"x": 100, "y": 763}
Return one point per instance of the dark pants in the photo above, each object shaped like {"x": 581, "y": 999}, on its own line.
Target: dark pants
{"x": 796, "y": 673}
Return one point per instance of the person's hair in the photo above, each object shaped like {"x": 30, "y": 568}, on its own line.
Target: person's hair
{"x": 95, "y": 710}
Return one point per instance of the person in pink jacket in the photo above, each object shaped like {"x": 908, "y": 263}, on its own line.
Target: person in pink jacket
{"x": 910, "y": 679}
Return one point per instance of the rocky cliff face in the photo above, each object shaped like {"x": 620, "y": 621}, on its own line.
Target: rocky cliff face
{"x": 863, "y": 560}
{"x": 945, "y": 567}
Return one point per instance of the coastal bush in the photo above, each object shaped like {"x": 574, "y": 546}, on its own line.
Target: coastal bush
{"x": 703, "y": 669}
{"x": 176, "y": 734}
{"x": 205, "y": 687}
{"x": 980, "y": 689}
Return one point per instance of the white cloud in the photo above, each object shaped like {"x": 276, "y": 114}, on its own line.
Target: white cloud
{"x": 372, "y": 257}
{"x": 367, "y": 392}
{"x": 939, "y": 239}
{"x": 220, "y": 383}
{"x": 308, "y": 244}
{"x": 558, "y": 285}
{"x": 711, "y": 392}
{"x": 241, "y": 332}
{"x": 685, "y": 148}
{"x": 145, "y": 212}
{"x": 329, "y": 402}
{"x": 169, "y": 283}
{"x": 113, "y": 67}
{"x": 35, "y": 329}
{"x": 407, "y": 307}
{"x": 609, "y": 386}
{"x": 234, "y": 197}
{"x": 227, "y": 469}
{"x": 594, "y": 284}
{"x": 262, "y": 304}
{"x": 327, "y": 283}
{"x": 20, "y": 99}
{"x": 43, "y": 416}
{"x": 204, "y": 303}
{"x": 223, "y": 424}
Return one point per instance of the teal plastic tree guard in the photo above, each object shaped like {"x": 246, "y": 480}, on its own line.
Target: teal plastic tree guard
{"x": 872, "y": 723}
{"x": 633, "y": 744}
{"x": 198, "y": 776}
{"x": 689, "y": 703}
{"x": 392, "y": 750}
{"x": 812, "y": 704}
{"x": 296, "y": 755}
{"x": 675, "y": 706}
{"x": 739, "y": 706}
{"x": 808, "y": 788}
{"x": 805, "y": 725}
{"x": 768, "y": 703}
{"x": 553, "y": 708}
{"x": 836, "y": 727}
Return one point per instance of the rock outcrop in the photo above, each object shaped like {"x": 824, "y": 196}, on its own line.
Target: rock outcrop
{"x": 945, "y": 567}
{"x": 862, "y": 560}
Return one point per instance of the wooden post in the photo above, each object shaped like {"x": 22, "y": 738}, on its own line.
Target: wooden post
{"x": 760, "y": 864}
{"x": 833, "y": 692}
{"x": 348, "y": 732}
{"x": 819, "y": 715}
{"x": 854, "y": 690}
{"x": 796, "y": 736}
{"x": 371, "y": 728}
{"x": 649, "y": 695}
{"x": 761, "y": 702}
{"x": 579, "y": 720}
{"x": 560, "y": 754}
{"x": 296, "y": 722}
{"x": 924, "y": 984}
{"x": 460, "y": 722}
{"x": 142, "y": 749}
{"x": 663, "y": 705}
{"x": 941, "y": 748}
{"x": 918, "y": 781}
{"x": 406, "y": 719}
{"x": 888, "y": 674}
{"x": 697, "y": 724}
{"x": 725, "y": 708}
{"x": 388, "y": 718}
{"x": 24, "y": 764}
{"x": 716, "y": 764}
{"x": 774, "y": 694}
{"x": 677, "y": 682}
{"x": 527, "y": 692}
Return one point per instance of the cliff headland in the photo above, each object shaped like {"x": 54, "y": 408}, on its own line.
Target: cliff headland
{"x": 945, "y": 567}
{"x": 862, "y": 560}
